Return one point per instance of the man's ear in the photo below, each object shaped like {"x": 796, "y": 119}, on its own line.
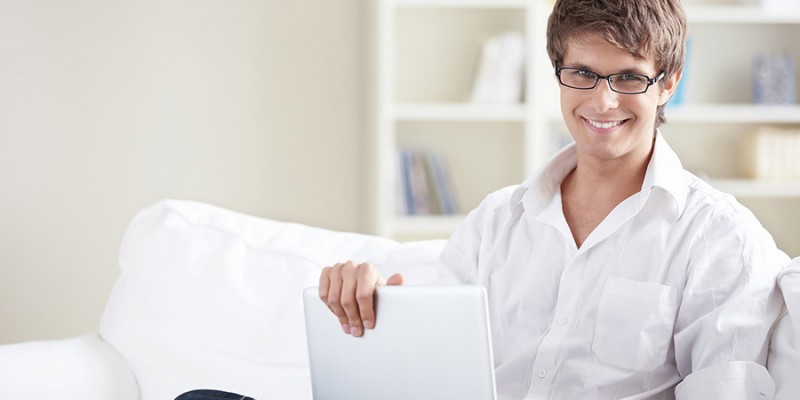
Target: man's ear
{"x": 670, "y": 85}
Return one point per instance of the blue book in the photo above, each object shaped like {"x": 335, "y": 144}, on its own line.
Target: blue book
{"x": 405, "y": 176}
{"x": 442, "y": 186}
{"x": 678, "y": 98}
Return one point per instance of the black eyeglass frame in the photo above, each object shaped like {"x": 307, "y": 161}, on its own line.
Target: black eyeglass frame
{"x": 597, "y": 77}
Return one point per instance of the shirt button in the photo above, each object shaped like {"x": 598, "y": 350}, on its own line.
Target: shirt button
{"x": 563, "y": 320}
{"x": 541, "y": 373}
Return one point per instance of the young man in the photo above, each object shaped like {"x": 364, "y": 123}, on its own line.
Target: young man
{"x": 612, "y": 272}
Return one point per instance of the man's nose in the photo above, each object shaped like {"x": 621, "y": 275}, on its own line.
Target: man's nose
{"x": 603, "y": 98}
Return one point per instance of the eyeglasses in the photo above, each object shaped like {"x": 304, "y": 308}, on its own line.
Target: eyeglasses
{"x": 582, "y": 79}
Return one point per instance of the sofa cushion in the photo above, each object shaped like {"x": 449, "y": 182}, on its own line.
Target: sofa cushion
{"x": 78, "y": 368}
{"x": 210, "y": 298}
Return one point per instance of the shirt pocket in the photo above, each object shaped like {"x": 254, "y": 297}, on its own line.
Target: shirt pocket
{"x": 634, "y": 324}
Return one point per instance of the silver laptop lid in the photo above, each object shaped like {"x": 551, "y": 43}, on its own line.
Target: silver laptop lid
{"x": 430, "y": 342}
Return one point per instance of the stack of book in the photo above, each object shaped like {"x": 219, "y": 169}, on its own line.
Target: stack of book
{"x": 500, "y": 77}
{"x": 771, "y": 154}
{"x": 423, "y": 184}
{"x": 774, "y": 79}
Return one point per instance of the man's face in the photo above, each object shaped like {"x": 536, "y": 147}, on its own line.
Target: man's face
{"x": 610, "y": 126}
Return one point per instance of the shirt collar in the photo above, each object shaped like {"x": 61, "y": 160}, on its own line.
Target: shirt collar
{"x": 538, "y": 190}
{"x": 664, "y": 171}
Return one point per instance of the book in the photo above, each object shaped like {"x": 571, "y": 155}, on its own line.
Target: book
{"x": 402, "y": 203}
{"x": 679, "y": 96}
{"x": 441, "y": 184}
{"x": 419, "y": 185}
{"x": 500, "y": 75}
{"x": 770, "y": 153}
{"x": 407, "y": 195}
{"x": 423, "y": 185}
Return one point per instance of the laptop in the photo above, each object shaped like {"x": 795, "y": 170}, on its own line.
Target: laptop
{"x": 430, "y": 342}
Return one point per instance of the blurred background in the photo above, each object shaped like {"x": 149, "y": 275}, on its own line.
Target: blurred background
{"x": 313, "y": 111}
{"x": 109, "y": 106}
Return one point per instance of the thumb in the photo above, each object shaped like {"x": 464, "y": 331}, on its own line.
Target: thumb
{"x": 395, "y": 280}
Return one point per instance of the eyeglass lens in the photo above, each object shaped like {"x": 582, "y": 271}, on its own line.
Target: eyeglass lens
{"x": 624, "y": 83}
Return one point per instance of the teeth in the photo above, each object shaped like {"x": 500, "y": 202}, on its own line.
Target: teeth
{"x": 604, "y": 125}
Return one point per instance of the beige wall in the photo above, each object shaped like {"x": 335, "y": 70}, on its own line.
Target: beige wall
{"x": 109, "y": 106}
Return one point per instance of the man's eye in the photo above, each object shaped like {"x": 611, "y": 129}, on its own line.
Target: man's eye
{"x": 585, "y": 74}
{"x": 630, "y": 77}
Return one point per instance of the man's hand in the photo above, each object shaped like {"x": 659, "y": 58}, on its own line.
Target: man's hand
{"x": 349, "y": 291}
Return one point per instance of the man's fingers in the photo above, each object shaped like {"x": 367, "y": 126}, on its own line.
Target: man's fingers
{"x": 325, "y": 284}
{"x": 365, "y": 294}
{"x": 395, "y": 280}
{"x": 349, "y": 291}
{"x": 334, "y": 296}
{"x": 348, "y": 299}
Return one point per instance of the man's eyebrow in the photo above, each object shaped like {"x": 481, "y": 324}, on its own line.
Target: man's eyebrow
{"x": 578, "y": 66}
{"x": 632, "y": 70}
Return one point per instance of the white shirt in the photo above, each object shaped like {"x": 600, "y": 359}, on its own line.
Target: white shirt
{"x": 676, "y": 286}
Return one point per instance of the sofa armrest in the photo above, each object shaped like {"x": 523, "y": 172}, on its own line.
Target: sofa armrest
{"x": 81, "y": 368}
{"x": 784, "y": 358}
{"x": 784, "y": 349}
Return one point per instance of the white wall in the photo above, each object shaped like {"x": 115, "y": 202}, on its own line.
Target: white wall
{"x": 109, "y": 106}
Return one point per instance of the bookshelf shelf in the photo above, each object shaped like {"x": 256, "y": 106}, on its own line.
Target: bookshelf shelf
{"x": 739, "y": 14}
{"x": 724, "y": 114}
{"x": 750, "y": 188}
{"x": 433, "y": 225}
{"x": 513, "y": 4}
{"x": 734, "y": 113}
{"x": 458, "y": 112}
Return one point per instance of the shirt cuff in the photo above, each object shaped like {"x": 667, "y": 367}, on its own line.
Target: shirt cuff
{"x": 743, "y": 380}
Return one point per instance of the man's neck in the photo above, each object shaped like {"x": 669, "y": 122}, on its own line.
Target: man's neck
{"x": 595, "y": 187}
{"x": 608, "y": 178}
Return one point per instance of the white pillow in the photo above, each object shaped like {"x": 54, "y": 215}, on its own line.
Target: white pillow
{"x": 210, "y": 298}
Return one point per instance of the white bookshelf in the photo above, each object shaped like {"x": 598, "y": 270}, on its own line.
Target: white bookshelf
{"x": 426, "y": 54}
{"x": 491, "y": 4}
{"x": 459, "y": 112}
{"x": 720, "y": 113}
{"x": 706, "y": 130}
{"x": 761, "y": 189}
{"x": 735, "y": 113}
{"x": 738, "y": 14}
{"x": 424, "y": 104}
{"x": 426, "y": 226}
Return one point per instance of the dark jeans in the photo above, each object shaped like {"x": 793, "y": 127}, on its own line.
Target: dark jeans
{"x": 205, "y": 394}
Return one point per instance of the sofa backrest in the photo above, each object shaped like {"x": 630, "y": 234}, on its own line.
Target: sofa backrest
{"x": 210, "y": 298}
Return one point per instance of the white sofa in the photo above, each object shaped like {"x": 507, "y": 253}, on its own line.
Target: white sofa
{"x": 209, "y": 298}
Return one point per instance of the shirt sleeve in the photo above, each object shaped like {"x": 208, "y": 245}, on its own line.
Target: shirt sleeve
{"x": 733, "y": 380}
{"x": 460, "y": 258}
{"x": 729, "y": 306}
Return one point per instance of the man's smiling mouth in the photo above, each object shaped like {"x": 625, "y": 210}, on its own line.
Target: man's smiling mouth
{"x": 604, "y": 124}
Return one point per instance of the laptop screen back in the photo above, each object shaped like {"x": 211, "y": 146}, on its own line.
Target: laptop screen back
{"x": 430, "y": 342}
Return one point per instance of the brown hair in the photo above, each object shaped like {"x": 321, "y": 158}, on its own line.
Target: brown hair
{"x": 653, "y": 29}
